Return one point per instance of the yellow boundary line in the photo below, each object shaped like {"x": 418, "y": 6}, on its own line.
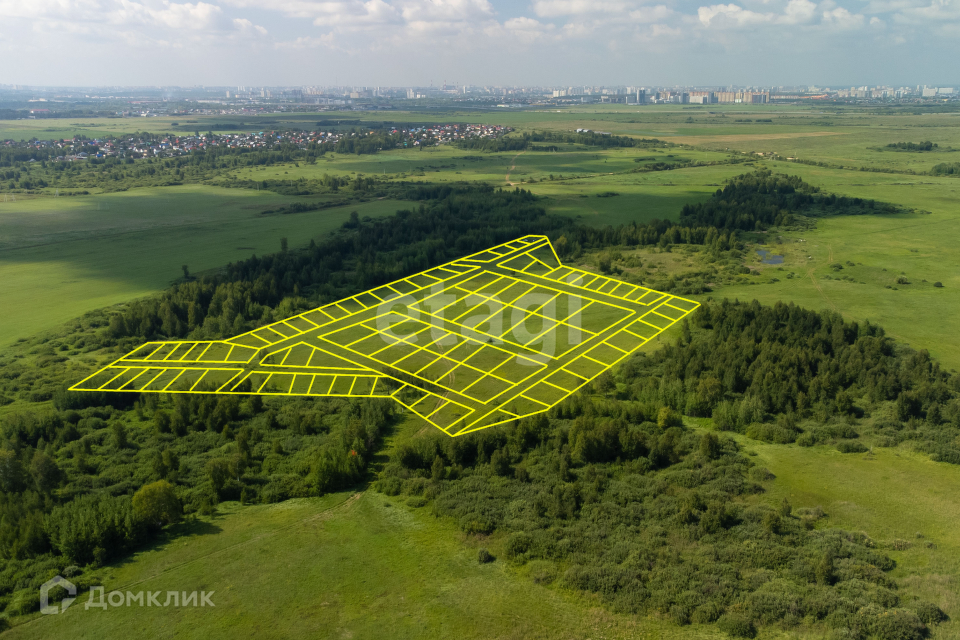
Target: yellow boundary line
{"x": 468, "y": 411}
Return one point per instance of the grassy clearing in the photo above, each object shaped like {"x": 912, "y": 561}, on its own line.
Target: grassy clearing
{"x": 890, "y": 494}
{"x": 918, "y": 247}
{"x": 368, "y": 564}
{"x": 62, "y": 257}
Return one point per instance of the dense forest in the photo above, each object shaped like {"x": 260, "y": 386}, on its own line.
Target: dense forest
{"x": 913, "y": 146}
{"x": 946, "y": 169}
{"x": 530, "y": 140}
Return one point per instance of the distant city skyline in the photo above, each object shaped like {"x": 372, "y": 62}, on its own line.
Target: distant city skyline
{"x": 416, "y": 42}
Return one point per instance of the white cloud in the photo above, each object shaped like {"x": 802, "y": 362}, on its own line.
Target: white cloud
{"x": 842, "y": 18}
{"x": 655, "y": 13}
{"x": 471, "y": 35}
{"x": 730, "y": 15}
{"x": 102, "y": 16}
{"x": 798, "y": 12}
{"x": 560, "y": 8}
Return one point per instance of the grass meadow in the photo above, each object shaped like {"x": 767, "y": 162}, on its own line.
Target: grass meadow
{"x": 62, "y": 257}
{"x": 354, "y": 564}
{"x": 347, "y": 565}
{"x": 920, "y": 247}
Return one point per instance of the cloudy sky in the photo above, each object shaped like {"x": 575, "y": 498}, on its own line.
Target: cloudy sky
{"x": 415, "y": 42}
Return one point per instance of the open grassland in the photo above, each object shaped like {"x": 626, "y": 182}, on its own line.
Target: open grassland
{"x": 355, "y": 564}
{"x": 342, "y": 566}
{"x": 873, "y": 252}
{"x": 634, "y": 197}
{"x": 61, "y": 257}
{"x": 605, "y": 187}
{"x": 889, "y": 494}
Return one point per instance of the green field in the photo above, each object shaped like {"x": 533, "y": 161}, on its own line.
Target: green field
{"x": 359, "y": 564}
{"x": 62, "y": 257}
{"x": 352, "y": 564}
{"x": 339, "y": 566}
{"x": 918, "y": 246}
{"x": 890, "y": 495}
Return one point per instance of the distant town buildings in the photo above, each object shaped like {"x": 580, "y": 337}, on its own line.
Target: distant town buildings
{"x": 245, "y": 100}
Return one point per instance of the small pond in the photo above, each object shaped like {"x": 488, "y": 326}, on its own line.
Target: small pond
{"x": 768, "y": 258}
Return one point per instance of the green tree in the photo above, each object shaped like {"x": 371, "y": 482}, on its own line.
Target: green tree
{"x": 824, "y": 570}
{"x": 157, "y": 504}
{"x": 119, "y": 435}
{"x": 437, "y": 470}
{"x": 46, "y": 474}
{"x": 11, "y": 471}
{"x": 709, "y": 446}
{"x": 218, "y": 470}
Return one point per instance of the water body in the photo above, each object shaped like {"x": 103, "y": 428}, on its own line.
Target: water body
{"x": 768, "y": 258}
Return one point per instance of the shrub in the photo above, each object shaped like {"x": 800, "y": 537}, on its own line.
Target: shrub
{"x": 390, "y": 486}
{"x": 851, "y": 447}
{"x": 897, "y": 624}
{"x": 473, "y": 523}
{"x": 771, "y": 433}
{"x": 760, "y": 474}
{"x": 417, "y": 501}
{"x": 938, "y": 284}
{"x": 543, "y": 572}
{"x": 485, "y": 557}
{"x": 737, "y": 626}
{"x": 806, "y": 439}
{"x": 156, "y": 504}
{"x": 929, "y": 613}
{"x": 706, "y": 613}
{"x": 518, "y": 543}
{"x": 24, "y": 602}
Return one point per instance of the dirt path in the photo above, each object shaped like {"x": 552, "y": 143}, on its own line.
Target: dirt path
{"x": 816, "y": 284}
{"x": 512, "y": 167}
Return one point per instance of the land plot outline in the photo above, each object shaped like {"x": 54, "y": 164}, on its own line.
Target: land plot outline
{"x": 484, "y": 340}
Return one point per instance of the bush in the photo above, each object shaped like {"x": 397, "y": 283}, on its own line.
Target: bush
{"x": 851, "y": 447}
{"x": 417, "y": 501}
{"x": 543, "y": 571}
{"x": 485, "y": 557}
{"x": 24, "y": 602}
{"x": 737, "y": 626}
{"x": 897, "y": 624}
{"x": 771, "y": 433}
{"x": 390, "y": 486}
{"x": 929, "y": 613}
{"x": 518, "y": 543}
{"x": 806, "y": 439}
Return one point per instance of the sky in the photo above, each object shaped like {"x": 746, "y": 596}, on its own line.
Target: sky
{"x": 479, "y": 42}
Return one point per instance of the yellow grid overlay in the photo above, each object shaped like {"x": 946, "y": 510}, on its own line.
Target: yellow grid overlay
{"x": 452, "y": 344}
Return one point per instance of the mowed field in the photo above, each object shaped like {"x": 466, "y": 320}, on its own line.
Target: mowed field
{"x": 62, "y": 257}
